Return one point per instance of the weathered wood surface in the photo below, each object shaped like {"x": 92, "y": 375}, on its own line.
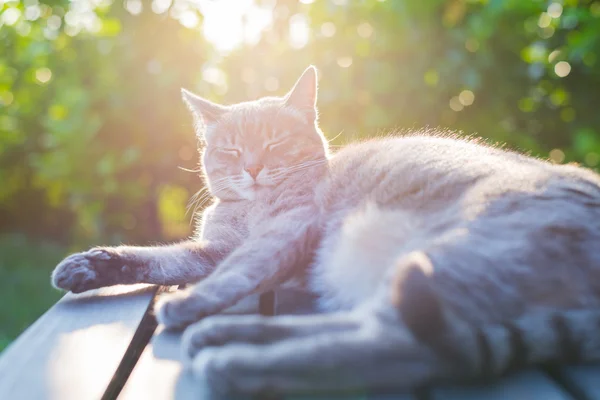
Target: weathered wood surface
{"x": 73, "y": 350}
{"x": 159, "y": 373}
{"x": 522, "y": 385}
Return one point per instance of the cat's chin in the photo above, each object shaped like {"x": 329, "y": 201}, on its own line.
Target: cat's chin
{"x": 249, "y": 193}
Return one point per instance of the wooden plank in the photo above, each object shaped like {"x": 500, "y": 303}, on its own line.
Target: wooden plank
{"x": 73, "y": 350}
{"x": 523, "y": 385}
{"x": 582, "y": 380}
{"x": 159, "y": 374}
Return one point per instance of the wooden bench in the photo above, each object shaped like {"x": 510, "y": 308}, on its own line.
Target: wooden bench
{"x": 105, "y": 345}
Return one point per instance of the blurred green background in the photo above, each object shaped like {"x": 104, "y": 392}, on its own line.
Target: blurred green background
{"x": 92, "y": 129}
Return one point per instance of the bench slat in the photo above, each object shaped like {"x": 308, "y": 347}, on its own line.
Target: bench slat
{"x": 522, "y": 385}
{"x": 73, "y": 350}
{"x": 160, "y": 375}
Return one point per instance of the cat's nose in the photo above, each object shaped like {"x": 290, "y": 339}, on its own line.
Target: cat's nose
{"x": 254, "y": 170}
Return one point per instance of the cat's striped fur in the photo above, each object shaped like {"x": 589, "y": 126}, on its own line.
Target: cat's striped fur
{"x": 543, "y": 337}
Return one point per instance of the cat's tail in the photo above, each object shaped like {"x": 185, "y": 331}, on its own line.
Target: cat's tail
{"x": 552, "y": 337}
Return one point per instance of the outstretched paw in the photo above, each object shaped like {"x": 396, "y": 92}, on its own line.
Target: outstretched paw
{"x": 92, "y": 269}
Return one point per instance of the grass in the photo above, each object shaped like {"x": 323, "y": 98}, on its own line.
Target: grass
{"x": 25, "y": 290}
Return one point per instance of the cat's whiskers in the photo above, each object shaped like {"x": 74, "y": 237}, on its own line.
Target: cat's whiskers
{"x": 335, "y": 137}
{"x": 200, "y": 198}
{"x": 191, "y": 170}
{"x": 193, "y": 200}
{"x": 296, "y": 168}
{"x": 301, "y": 165}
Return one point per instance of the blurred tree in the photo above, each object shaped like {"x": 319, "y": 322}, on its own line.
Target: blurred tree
{"x": 92, "y": 129}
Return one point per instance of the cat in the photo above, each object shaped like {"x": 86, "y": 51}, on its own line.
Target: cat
{"x": 434, "y": 257}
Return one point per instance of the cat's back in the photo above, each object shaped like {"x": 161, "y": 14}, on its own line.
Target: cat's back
{"x": 390, "y": 169}
{"x": 420, "y": 153}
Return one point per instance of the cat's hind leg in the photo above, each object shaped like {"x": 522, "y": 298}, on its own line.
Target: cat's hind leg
{"x": 368, "y": 358}
{"x": 255, "y": 329}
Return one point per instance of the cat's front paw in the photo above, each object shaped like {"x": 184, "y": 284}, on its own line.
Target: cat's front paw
{"x": 178, "y": 310}
{"x": 91, "y": 269}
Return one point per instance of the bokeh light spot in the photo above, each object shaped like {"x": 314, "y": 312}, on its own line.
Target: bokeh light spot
{"x": 547, "y": 32}
{"x": 43, "y": 75}
{"x": 32, "y": 12}
{"x": 214, "y": 76}
{"x": 11, "y": 16}
{"x": 189, "y": 19}
{"x": 526, "y": 104}
{"x": 299, "y": 31}
{"x": 553, "y": 56}
{"x": 133, "y": 7}
{"x": 544, "y": 20}
{"x": 229, "y": 24}
{"x": 53, "y": 22}
{"x": 555, "y": 10}
{"x": 160, "y": 6}
{"x": 365, "y": 30}
{"x": 344, "y": 62}
{"x": 562, "y": 69}
{"x": 557, "y": 155}
{"x": 466, "y": 97}
{"x": 328, "y": 29}
{"x": 455, "y": 104}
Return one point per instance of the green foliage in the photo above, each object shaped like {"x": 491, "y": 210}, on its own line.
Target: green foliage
{"x": 92, "y": 129}
{"x": 25, "y": 282}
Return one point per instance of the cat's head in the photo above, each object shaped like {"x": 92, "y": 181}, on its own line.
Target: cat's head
{"x": 254, "y": 146}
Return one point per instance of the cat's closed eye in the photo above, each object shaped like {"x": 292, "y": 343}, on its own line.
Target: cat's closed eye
{"x": 271, "y": 146}
{"x": 228, "y": 152}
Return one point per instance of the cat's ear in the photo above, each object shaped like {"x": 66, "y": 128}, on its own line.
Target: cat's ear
{"x": 204, "y": 110}
{"x": 303, "y": 96}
